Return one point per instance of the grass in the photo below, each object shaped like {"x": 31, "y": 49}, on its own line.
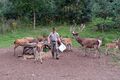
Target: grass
{"x": 6, "y": 40}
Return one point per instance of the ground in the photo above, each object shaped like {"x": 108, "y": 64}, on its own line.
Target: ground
{"x": 70, "y": 66}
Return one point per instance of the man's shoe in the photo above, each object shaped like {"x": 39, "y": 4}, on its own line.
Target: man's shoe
{"x": 57, "y": 58}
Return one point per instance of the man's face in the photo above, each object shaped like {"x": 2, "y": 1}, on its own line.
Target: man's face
{"x": 53, "y": 31}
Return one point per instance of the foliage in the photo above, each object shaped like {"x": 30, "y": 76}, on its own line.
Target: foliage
{"x": 62, "y": 11}
{"x": 5, "y": 6}
{"x": 105, "y": 9}
{"x": 103, "y": 24}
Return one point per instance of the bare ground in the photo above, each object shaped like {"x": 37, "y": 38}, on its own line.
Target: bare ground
{"x": 70, "y": 66}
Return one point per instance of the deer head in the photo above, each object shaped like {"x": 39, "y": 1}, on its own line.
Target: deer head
{"x": 73, "y": 31}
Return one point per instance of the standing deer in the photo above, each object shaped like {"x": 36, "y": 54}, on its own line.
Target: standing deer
{"x": 88, "y": 42}
{"x": 67, "y": 42}
{"x": 113, "y": 45}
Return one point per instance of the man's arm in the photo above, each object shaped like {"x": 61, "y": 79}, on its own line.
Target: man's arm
{"x": 49, "y": 38}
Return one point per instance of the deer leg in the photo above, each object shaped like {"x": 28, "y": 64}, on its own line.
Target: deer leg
{"x": 106, "y": 51}
{"x": 36, "y": 54}
{"x": 85, "y": 51}
{"x": 115, "y": 51}
{"x": 67, "y": 47}
{"x": 89, "y": 50}
{"x": 40, "y": 54}
{"x": 70, "y": 47}
{"x": 98, "y": 51}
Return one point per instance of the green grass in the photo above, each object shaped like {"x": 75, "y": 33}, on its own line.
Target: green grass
{"x": 7, "y": 39}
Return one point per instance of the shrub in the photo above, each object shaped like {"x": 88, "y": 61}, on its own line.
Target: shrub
{"x": 45, "y": 32}
{"x": 103, "y": 24}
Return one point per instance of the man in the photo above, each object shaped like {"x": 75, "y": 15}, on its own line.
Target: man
{"x": 54, "y": 40}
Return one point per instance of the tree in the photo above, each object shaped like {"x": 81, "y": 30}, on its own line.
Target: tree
{"x": 5, "y": 6}
{"x": 34, "y": 8}
{"x": 72, "y": 10}
{"x": 106, "y": 9}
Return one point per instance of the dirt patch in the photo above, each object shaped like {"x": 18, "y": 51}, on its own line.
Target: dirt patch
{"x": 70, "y": 66}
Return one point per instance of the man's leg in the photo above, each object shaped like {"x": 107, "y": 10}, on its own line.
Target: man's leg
{"x": 52, "y": 49}
{"x": 57, "y": 51}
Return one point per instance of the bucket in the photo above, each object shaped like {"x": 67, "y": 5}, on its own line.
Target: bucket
{"x": 62, "y": 47}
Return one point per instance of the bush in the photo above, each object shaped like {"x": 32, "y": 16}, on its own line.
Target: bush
{"x": 103, "y": 27}
{"x": 103, "y": 24}
{"x": 117, "y": 22}
{"x": 45, "y": 32}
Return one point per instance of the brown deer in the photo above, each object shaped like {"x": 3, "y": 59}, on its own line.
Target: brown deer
{"x": 88, "y": 42}
{"x": 23, "y": 42}
{"x": 67, "y": 42}
{"x": 37, "y": 50}
{"x": 113, "y": 45}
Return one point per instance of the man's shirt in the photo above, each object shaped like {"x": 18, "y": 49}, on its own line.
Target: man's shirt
{"x": 54, "y": 36}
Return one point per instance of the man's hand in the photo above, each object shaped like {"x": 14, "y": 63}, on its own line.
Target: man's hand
{"x": 48, "y": 41}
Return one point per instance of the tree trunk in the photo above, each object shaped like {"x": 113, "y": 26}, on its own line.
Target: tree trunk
{"x": 3, "y": 25}
{"x": 34, "y": 22}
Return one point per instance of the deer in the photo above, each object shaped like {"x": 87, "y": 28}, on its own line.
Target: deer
{"x": 67, "y": 42}
{"x": 41, "y": 38}
{"x": 40, "y": 54}
{"x": 23, "y": 42}
{"x": 37, "y": 50}
{"x": 88, "y": 42}
{"x": 115, "y": 44}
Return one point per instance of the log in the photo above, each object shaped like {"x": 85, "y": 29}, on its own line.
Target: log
{"x": 29, "y": 48}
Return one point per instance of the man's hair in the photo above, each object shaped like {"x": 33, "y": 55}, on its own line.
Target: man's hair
{"x": 53, "y": 29}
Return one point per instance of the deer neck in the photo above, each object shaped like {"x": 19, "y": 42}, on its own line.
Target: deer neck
{"x": 79, "y": 39}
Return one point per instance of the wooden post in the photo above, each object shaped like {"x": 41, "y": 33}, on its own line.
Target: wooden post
{"x": 34, "y": 22}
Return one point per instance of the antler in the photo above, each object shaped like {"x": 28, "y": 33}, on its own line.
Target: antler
{"x": 74, "y": 27}
{"x": 82, "y": 27}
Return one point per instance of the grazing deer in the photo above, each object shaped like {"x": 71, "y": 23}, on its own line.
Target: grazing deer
{"x": 88, "y": 42}
{"x": 23, "y": 42}
{"x": 39, "y": 51}
{"x": 39, "y": 54}
{"x": 36, "y": 50}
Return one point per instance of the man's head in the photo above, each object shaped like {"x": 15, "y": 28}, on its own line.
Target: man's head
{"x": 53, "y": 29}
